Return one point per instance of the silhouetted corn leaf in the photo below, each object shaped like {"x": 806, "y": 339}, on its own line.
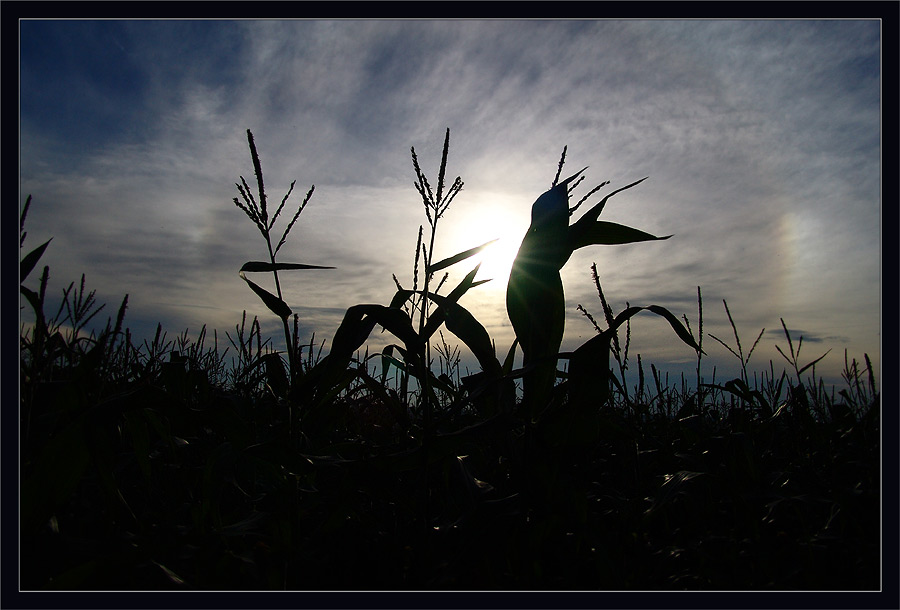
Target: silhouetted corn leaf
{"x": 395, "y": 321}
{"x": 442, "y": 383}
{"x": 679, "y": 329}
{"x": 358, "y": 323}
{"x": 352, "y": 332}
{"x": 379, "y": 390}
{"x": 34, "y": 300}
{"x": 31, "y": 260}
{"x": 387, "y": 360}
{"x": 607, "y": 233}
{"x": 470, "y": 331}
{"x": 452, "y": 260}
{"x": 276, "y": 377}
{"x": 437, "y": 318}
{"x": 589, "y": 372}
{"x": 592, "y": 214}
{"x": 802, "y": 370}
{"x": 467, "y": 282}
{"x": 510, "y": 357}
{"x": 740, "y": 389}
{"x": 535, "y": 300}
{"x": 276, "y": 305}
{"x": 400, "y": 297}
{"x": 255, "y": 266}
{"x": 535, "y": 303}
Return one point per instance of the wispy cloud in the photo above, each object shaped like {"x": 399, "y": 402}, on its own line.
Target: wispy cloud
{"x": 761, "y": 140}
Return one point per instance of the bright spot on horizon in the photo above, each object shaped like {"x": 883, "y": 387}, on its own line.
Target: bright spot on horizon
{"x": 490, "y": 216}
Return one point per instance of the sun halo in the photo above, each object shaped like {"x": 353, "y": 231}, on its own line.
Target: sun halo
{"x": 492, "y": 221}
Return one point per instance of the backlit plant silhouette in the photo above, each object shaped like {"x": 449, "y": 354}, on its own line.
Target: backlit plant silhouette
{"x": 332, "y": 374}
{"x": 535, "y": 299}
{"x": 257, "y": 212}
{"x": 154, "y": 467}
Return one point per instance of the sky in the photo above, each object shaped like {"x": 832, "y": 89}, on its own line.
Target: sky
{"x": 761, "y": 140}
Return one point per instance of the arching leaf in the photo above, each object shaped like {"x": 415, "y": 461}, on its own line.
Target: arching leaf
{"x": 679, "y": 329}
{"x": 437, "y": 318}
{"x": 470, "y": 331}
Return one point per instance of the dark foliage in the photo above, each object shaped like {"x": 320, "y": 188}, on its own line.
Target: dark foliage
{"x": 158, "y": 466}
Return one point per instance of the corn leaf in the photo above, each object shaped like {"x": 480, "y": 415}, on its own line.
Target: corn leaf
{"x": 594, "y": 213}
{"x": 352, "y": 333}
{"x": 452, "y": 260}
{"x": 386, "y": 362}
{"x": 331, "y": 373}
{"x": 679, "y": 329}
{"x": 510, "y": 357}
{"x": 31, "y": 259}
{"x": 379, "y": 390}
{"x": 276, "y": 305}
{"x": 812, "y": 363}
{"x": 470, "y": 331}
{"x": 589, "y": 364}
{"x": 742, "y": 390}
{"x": 437, "y": 318}
{"x": 400, "y": 297}
{"x": 276, "y": 377}
{"x": 589, "y": 369}
{"x": 34, "y": 300}
{"x": 255, "y": 266}
{"x": 606, "y": 233}
{"x": 360, "y": 320}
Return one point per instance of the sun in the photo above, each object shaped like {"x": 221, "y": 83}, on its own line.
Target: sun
{"x": 493, "y": 218}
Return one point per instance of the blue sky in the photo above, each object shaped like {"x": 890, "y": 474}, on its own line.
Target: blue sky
{"x": 761, "y": 140}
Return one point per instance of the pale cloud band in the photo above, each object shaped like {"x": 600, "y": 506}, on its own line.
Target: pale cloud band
{"x": 761, "y": 140}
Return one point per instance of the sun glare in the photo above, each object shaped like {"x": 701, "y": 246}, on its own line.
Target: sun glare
{"x": 493, "y": 218}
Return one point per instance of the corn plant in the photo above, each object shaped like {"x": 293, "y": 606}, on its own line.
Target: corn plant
{"x": 331, "y": 375}
{"x": 35, "y": 299}
{"x": 63, "y": 377}
{"x": 740, "y": 387}
{"x": 139, "y": 475}
{"x": 795, "y": 355}
{"x": 535, "y": 299}
{"x": 257, "y": 212}
{"x": 619, "y": 352}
